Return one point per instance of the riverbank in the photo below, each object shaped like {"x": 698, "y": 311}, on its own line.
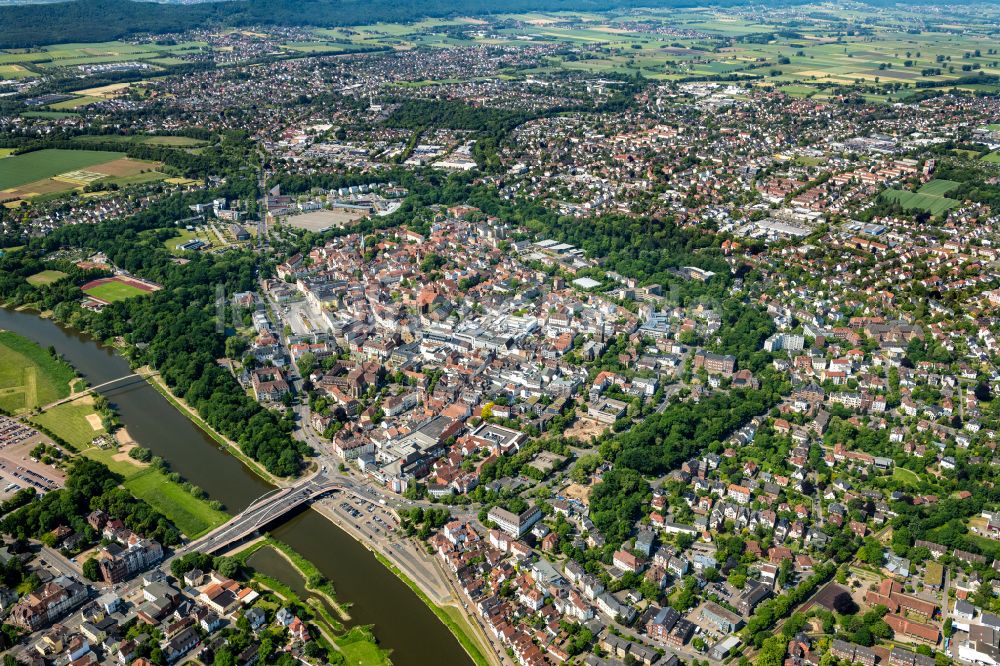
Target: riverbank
{"x": 192, "y": 515}
{"x": 229, "y": 445}
{"x": 315, "y": 582}
{"x": 432, "y": 589}
{"x": 33, "y": 378}
{"x": 357, "y": 644}
{"x": 454, "y": 623}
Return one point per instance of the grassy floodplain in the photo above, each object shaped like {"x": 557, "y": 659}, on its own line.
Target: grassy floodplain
{"x": 29, "y": 375}
{"x": 191, "y": 515}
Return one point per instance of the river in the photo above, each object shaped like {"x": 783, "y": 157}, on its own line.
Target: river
{"x": 402, "y": 622}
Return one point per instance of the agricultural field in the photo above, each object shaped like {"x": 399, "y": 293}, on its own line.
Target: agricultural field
{"x": 55, "y": 171}
{"x": 45, "y": 277}
{"x": 38, "y": 61}
{"x": 317, "y": 48}
{"x": 993, "y": 158}
{"x": 29, "y": 376}
{"x": 29, "y": 167}
{"x": 77, "y": 422}
{"x": 396, "y": 35}
{"x": 701, "y": 42}
{"x": 14, "y": 72}
{"x": 109, "y": 91}
{"x": 110, "y": 290}
{"x": 146, "y": 139}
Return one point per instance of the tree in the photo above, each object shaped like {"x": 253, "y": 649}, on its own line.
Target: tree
{"x": 772, "y": 652}
{"x": 315, "y": 650}
{"x": 91, "y": 570}
{"x": 871, "y": 552}
{"x": 306, "y": 363}
{"x": 235, "y": 345}
{"x": 616, "y": 502}
{"x": 224, "y": 657}
{"x": 227, "y": 566}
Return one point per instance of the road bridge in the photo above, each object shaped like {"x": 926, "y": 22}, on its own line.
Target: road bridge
{"x": 264, "y": 511}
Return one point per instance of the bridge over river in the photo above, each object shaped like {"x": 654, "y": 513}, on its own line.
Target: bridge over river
{"x": 265, "y": 510}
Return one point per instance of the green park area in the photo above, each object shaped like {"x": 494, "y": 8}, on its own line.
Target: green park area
{"x": 75, "y": 103}
{"x": 906, "y": 476}
{"x": 45, "y": 277}
{"x": 358, "y": 644}
{"x": 77, "y": 423}
{"x": 185, "y": 235}
{"x": 48, "y": 115}
{"x": 358, "y": 647}
{"x": 29, "y": 375}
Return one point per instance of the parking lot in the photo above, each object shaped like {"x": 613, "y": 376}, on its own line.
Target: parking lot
{"x": 302, "y": 318}
{"x": 17, "y": 469}
{"x": 365, "y": 516}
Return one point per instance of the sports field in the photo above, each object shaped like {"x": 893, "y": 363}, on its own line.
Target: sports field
{"x": 29, "y": 376}
{"x": 45, "y": 277}
{"x": 77, "y": 422}
{"x": 40, "y": 164}
{"x": 113, "y": 289}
